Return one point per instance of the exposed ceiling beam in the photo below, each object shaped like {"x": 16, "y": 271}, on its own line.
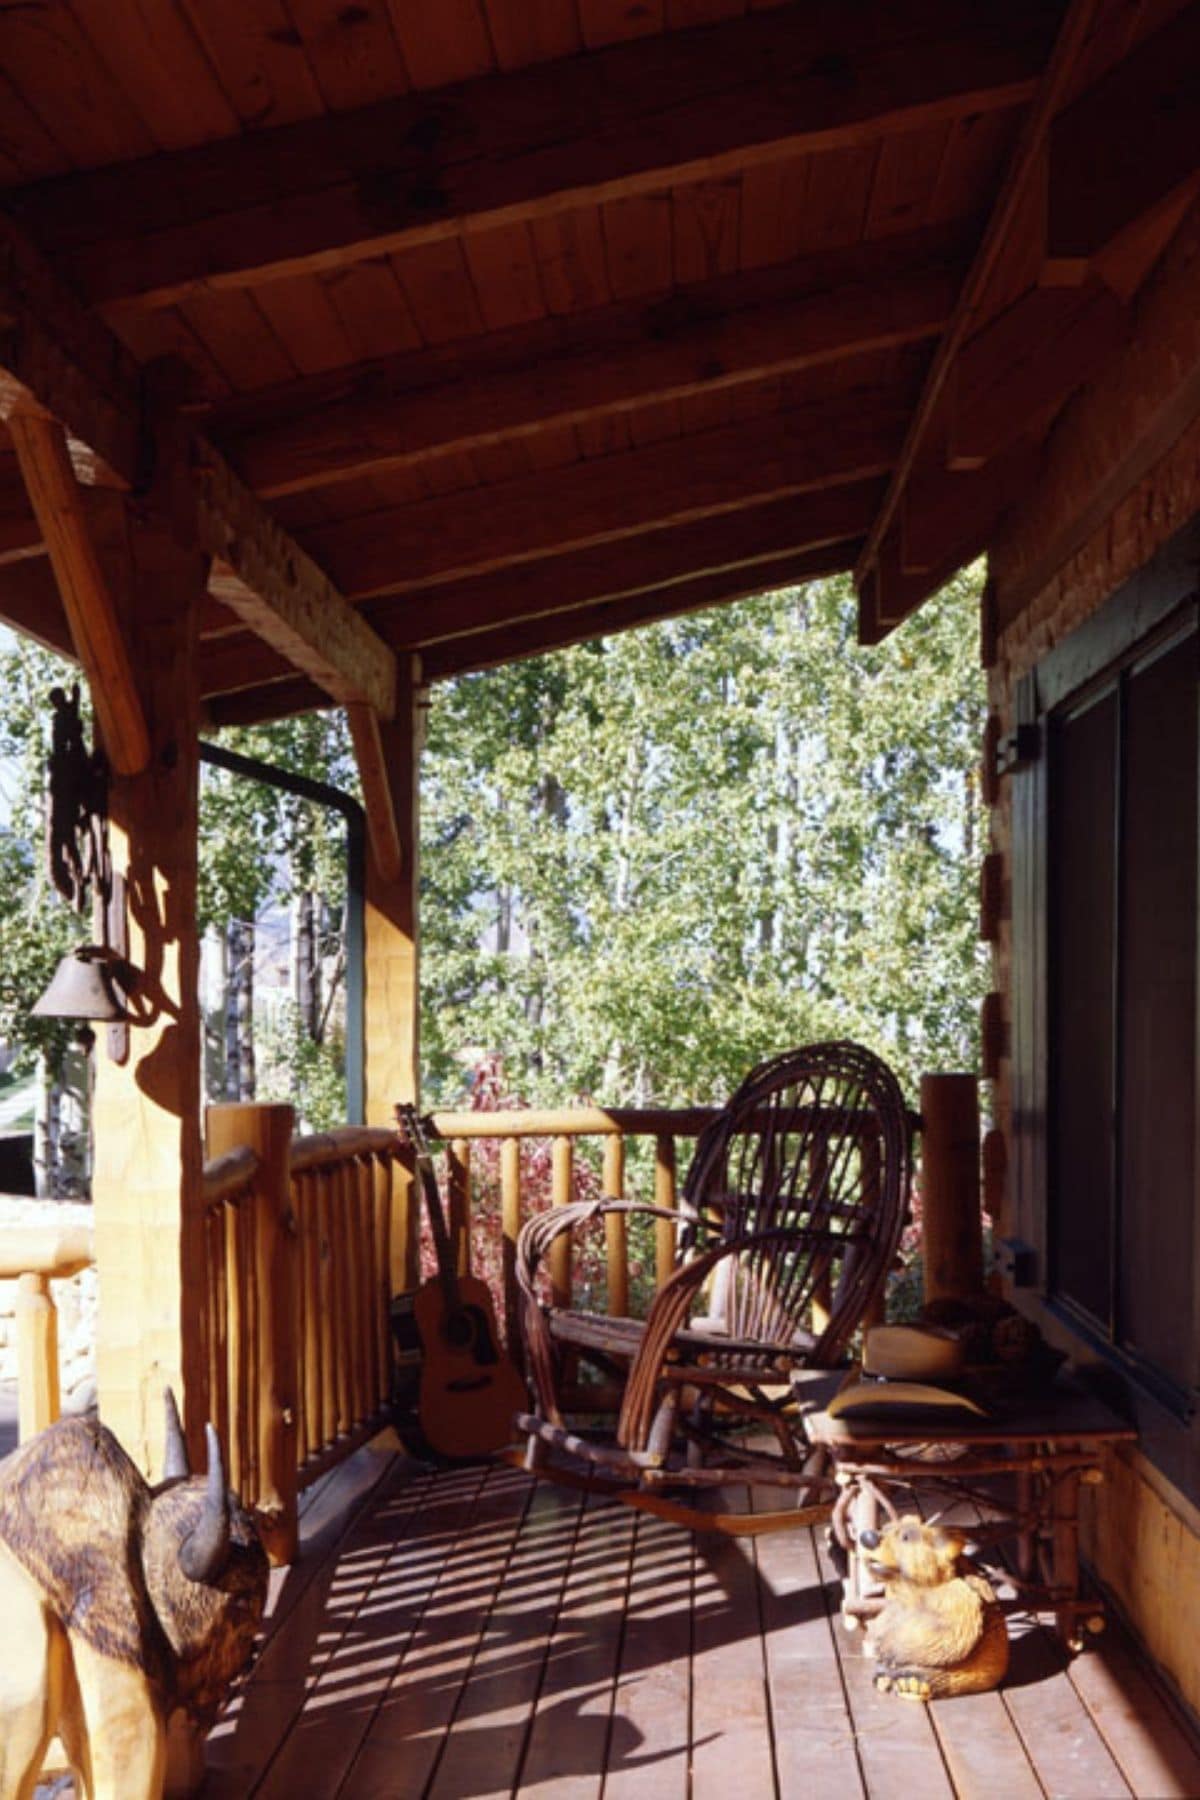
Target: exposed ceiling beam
{"x": 58, "y": 364}
{"x": 945, "y": 519}
{"x": 624, "y": 566}
{"x": 30, "y": 603}
{"x": 819, "y": 446}
{"x": 631, "y": 119}
{"x": 1112, "y": 435}
{"x": 559, "y": 371}
{"x": 261, "y": 705}
{"x": 1025, "y": 167}
{"x": 1126, "y": 143}
{"x": 535, "y": 637}
{"x": 58, "y": 357}
{"x": 20, "y": 534}
{"x": 1025, "y": 363}
{"x": 276, "y": 589}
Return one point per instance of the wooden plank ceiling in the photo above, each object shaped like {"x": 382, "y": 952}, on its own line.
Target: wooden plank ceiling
{"x": 499, "y": 324}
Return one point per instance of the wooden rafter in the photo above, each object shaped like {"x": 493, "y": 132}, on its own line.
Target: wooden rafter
{"x": 58, "y": 363}
{"x": 819, "y": 446}
{"x": 1126, "y": 143}
{"x": 87, "y": 599}
{"x": 1114, "y": 434}
{"x": 615, "y": 570}
{"x": 30, "y": 603}
{"x": 735, "y": 329}
{"x": 634, "y": 118}
{"x": 1026, "y": 166}
{"x": 255, "y": 706}
{"x": 533, "y": 637}
{"x": 58, "y": 358}
{"x": 1023, "y": 364}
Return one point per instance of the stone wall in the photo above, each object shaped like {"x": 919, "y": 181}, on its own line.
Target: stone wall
{"x": 75, "y": 1300}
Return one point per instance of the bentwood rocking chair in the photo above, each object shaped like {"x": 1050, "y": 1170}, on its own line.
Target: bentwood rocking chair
{"x": 789, "y": 1222}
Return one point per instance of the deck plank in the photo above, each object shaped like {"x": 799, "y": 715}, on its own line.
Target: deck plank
{"x": 1068, "y": 1754}
{"x": 732, "y": 1748}
{"x": 483, "y": 1756}
{"x": 569, "y": 1737}
{"x": 1151, "y": 1747}
{"x": 408, "y": 1734}
{"x": 388, "y": 1578}
{"x": 815, "y": 1752}
{"x": 240, "y": 1748}
{"x": 648, "y": 1752}
{"x": 982, "y": 1749}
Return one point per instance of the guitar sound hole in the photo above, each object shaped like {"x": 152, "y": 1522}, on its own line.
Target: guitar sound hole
{"x": 460, "y": 1331}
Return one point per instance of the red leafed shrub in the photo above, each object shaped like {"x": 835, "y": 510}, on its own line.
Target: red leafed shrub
{"x": 489, "y": 1093}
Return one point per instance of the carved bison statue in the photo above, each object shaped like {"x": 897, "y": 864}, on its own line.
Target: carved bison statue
{"x": 123, "y": 1607}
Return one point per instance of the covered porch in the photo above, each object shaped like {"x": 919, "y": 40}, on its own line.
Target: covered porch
{"x": 345, "y": 352}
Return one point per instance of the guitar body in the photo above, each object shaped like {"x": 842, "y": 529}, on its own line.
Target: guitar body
{"x": 469, "y": 1387}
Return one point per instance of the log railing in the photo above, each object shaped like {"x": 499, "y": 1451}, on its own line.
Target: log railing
{"x": 33, "y": 1256}
{"x": 295, "y": 1321}
{"x": 309, "y": 1237}
{"x": 564, "y": 1127}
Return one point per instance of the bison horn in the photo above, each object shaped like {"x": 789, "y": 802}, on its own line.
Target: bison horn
{"x": 205, "y": 1550}
{"x": 175, "y": 1456}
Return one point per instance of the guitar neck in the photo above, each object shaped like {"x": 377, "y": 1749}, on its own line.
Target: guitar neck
{"x": 443, "y": 1248}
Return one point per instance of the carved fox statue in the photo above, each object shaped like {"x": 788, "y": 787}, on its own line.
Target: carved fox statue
{"x": 124, "y": 1607}
{"x": 941, "y": 1630}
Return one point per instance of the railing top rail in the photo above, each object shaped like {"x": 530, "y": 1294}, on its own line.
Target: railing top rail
{"x": 322, "y": 1148}
{"x": 585, "y": 1121}
{"x": 228, "y": 1175}
{"x": 576, "y": 1121}
{"x": 56, "y": 1250}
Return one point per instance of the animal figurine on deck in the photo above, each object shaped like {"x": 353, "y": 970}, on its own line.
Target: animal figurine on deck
{"x": 941, "y": 1630}
{"x": 127, "y": 1610}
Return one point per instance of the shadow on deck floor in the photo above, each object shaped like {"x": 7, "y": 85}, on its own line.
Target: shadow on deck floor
{"x": 472, "y": 1633}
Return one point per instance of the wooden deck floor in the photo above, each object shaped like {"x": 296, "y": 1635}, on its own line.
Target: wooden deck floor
{"x": 475, "y": 1634}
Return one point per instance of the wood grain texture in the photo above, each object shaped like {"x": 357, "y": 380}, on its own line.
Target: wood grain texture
{"x": 534, "y": 637}
{"x": 815, "y": 447}
{"x": 718, "y": 334}
{"x": 147, "y": 1179}
{"x": 60, "y": 506}
{"x": 280, "y": 593}
{"x": 610, "y": 571}
{"x": 627, "y": 121}
{"x": 1019, "y": 189}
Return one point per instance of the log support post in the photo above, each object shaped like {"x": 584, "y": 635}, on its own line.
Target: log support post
{"x": 274, "y": 1370}
{"x": 950, "y": 1200}
{"x": 391, "y": 1009}
{"x": 149, "y": 1228}
{"x": 37, "y": 1355}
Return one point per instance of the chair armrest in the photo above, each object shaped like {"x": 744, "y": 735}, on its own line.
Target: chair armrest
{"x": 533, "y": 1243}
{"x": 669, "y": 1315}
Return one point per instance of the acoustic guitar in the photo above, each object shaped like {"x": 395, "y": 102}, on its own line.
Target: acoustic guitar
{"x": 469, "y": 1387}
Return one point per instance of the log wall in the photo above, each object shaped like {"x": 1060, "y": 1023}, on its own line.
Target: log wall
{"x": 1135, "y": 438}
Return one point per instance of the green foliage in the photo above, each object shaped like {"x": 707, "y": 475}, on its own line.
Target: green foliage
{"x": 292, "y": 1067}
{"x": 654, "y": 859}
{"x": 37, "y": 927}
{"x": 257, "y": 842}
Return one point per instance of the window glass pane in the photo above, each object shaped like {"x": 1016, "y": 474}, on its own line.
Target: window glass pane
{"x": 1083, "y": 798}
{"x": 1158, "y": 1012}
